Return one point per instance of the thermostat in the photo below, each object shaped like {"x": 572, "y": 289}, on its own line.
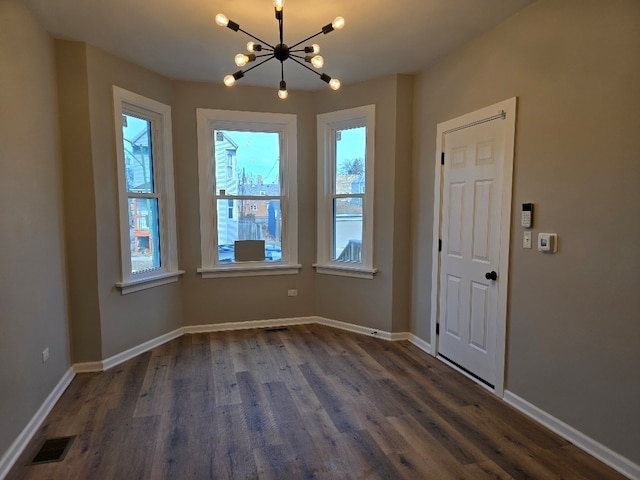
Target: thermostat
{"x": 548, "y": 242}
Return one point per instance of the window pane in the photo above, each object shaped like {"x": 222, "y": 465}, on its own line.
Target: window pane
{"x": 347, "y": 229}
{"x": 350, "y": 160}
{"x": 247, "y": 163}
{"x": 252, "y": 220}
{"x": 136, "y": 133}
{"x": 144, "y": 234}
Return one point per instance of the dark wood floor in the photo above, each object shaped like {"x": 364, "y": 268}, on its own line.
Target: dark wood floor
{"x": 306, "y": 402}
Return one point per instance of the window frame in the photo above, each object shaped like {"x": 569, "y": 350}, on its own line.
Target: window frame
{"x": 210, "y": 120}
{"x": 159, "y": 115}
{"x": 327, "y": 126}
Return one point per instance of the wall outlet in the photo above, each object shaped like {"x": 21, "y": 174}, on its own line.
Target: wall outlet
{"x": 526, "y": 240}
{"x": 292, "y": 293}
{"x": 45, "y": 355}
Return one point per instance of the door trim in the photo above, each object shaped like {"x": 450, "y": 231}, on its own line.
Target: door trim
{"x": 490, "y": 113}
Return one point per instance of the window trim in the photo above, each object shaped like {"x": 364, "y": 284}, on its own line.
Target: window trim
{"x": 209, "y": 120}
{"x": 327, "y": 125}
{"x": 159, "y": 114}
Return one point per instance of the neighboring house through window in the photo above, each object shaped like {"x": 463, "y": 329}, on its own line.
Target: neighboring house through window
{"x": 345, "y": 192}
{"x": 146, "y": 194}
{"x": 247, "y": 163}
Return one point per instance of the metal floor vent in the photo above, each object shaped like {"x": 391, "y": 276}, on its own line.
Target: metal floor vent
{"x": 53, "y": 450}
{"x": 276, "y": 329}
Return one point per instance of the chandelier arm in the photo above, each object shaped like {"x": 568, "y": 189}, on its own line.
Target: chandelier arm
{"x": 281, "y": 27}
{"x": 305, "y": 66}
{"x": 305, "y": 40}
{"x": 258, "y": 64}
{"x": 256, "y": 38}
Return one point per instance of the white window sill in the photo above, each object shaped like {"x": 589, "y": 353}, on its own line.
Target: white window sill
{"x": 347, "y": 270}
{"x": 248, "y": 270}
{"x": 149, "y": 281}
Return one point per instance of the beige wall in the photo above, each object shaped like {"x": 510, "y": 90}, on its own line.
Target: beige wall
{"x": 402, "y": 263}
{"x": 574, "y": 321}
{"x": 126, "y": 320}
{"x": 370, "y": 303}
{"x": 208, "y": 301}
{"x": 79, "y": 199}
{"x": 33, "y": 294}
{"x": 105, "y": 322}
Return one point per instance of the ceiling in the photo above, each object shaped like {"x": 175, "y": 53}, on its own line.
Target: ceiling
{"x": 179, "y": 38}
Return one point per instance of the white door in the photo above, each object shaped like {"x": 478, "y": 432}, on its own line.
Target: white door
{"x": 475, "y": 210}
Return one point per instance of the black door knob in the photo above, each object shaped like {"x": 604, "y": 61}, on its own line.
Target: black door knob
{"x": 491, "y": 275}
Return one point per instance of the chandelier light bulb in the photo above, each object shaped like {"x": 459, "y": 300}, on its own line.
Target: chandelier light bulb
{"x": 317, "y": 61}
{"x": 282, "y": 92}
{"x": 278, "y": 4}
{"x": 338, "y": 23}
{"x": 241, "y": 59}
{"x": 229, "y": 80}
{"x": 314, "y": 49}
{"x": 222, "y": 20}
{"x": 334, "y": 83}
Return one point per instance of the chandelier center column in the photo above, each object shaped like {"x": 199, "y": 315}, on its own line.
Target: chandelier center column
{"x": 281, "y": 52}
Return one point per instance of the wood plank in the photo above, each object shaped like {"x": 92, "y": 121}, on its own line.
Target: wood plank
{"x": 260, "y": 420}
{"x": 306, "y": 402}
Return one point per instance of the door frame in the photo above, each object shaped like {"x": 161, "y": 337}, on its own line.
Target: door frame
{"x": 504, "y": 111}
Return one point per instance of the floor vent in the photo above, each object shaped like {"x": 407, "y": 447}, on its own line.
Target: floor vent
{"x": 276, "y": 329}
{"x": 53, "y": 450}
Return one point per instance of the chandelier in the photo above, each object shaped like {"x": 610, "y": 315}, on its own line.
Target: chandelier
{"x": 281, "y": 51}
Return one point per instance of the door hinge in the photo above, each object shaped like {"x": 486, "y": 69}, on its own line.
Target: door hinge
{"x": 442, "y": 158}
{"x": 437, "y": 329}
{"x": 439, "y": 244}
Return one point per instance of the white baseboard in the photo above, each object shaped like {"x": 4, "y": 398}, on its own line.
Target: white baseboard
{"x": 222, "y": 327}
{"x": 350, "y": 327}
{"x": 283, "y": 322}
{"x": 579, "y": 439}
{"x": 17, "y": 447}
{"x": 89, "y": 367}
{"x": 142, "y": 348}
{"x": 420, "y": 343}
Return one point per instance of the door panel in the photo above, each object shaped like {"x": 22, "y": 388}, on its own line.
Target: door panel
{"x": 456, "y": 219}
{"x": 478, "y": 324}
{"x": 471, "y": 216}
{"x": 453, "y": 295}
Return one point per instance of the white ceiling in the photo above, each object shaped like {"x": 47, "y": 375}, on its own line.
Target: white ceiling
{"x": 179, "y": 38}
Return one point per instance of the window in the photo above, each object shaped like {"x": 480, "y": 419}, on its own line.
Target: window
{"x": 145, "y": 184}
{"x": 230, "y": 209}
{"x": 248, "y": 161}
{"x": 345, "y": 192}
{"x": 231, "y": 160}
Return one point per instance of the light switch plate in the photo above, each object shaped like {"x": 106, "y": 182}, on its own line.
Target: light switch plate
{"x": 526, "y": 240}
